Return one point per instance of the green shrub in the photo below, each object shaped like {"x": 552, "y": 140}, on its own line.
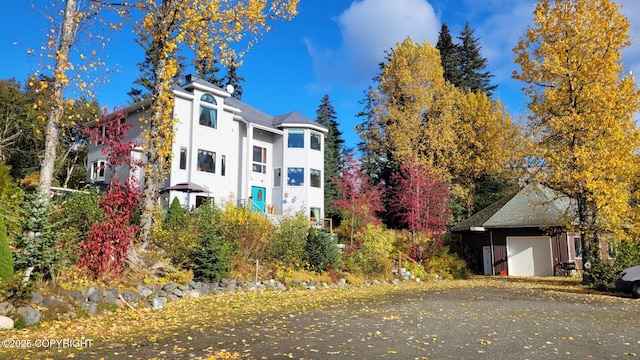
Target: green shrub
{"x": 372, "y": 254}
{"x": 249, "y": 230}
{"x": 211, "y": 259}
{"x": 321, "y": 250}
{"x": 288, "y": 245}
{"x": 446, "y": 264}
{"x": 11, "y": 198}
{"x": 175, "y": 216}
{"x": 16, "y": 291}
{"x": 416, "y": 269}
{"x": 77, "y": 213}
{"x": 38, "y": 245}
{"x": 6, "y": 260}
{"x": 212, "y": 256}
{"x": 603, "y": 273}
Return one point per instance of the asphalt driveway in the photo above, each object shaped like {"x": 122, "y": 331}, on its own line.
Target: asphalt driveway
{"x": 486, "y": 322}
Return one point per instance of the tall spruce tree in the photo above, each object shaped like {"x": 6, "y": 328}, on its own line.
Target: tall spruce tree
{"x": 146, "y": 79}
{"x": 472, "y": 64}
{"x": 208, "y": 69}
{"x": 333, "y": 151}
{"x": 449, "y": 56}
{"x": 232, "y": 78}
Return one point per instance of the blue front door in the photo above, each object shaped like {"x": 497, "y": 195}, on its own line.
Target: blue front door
{"x": 258, "y": 195}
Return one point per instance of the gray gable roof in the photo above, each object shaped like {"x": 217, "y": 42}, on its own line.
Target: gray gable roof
{"x": 534, "y": 205}
{"x": 253, "y": 115}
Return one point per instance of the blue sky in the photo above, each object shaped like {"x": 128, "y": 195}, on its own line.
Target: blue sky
{"x": 332, "y": 47}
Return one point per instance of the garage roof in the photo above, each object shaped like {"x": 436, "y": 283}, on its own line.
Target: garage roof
{"x": 534, "y": 205}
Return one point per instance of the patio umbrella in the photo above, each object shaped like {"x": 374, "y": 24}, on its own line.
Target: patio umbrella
{"x": 186, "y": 187}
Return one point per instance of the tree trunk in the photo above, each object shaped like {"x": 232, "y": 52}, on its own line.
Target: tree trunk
{"x": 153, "y": 177}
{"x": 56, "y": 104}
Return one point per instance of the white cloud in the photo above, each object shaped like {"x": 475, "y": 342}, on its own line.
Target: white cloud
{"x": 368, "y": 29}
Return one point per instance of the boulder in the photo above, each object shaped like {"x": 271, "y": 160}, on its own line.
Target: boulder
{"x": 145, "y": 292}
{"x": 159, "y": 302}
{"x": 90, "y": 307}
{"x": 87, "y": 292}
{"x": 50, "y": 301}
{"x": 76, "y": 295}
{"x": 6, "y": 323}
{"x": 168, "y": 288}
{"x": 131, "y": 297}
{"x": 95, "y": 297}
{"x": 6, "y": 309}
{"x": 29, "y": 315}
{"x": 36, "y": 298}
{"x": 111, "y": 296}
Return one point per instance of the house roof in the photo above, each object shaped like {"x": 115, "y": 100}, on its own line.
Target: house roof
{"x": 253, "y": 115}
{"x": 534, "y": 205}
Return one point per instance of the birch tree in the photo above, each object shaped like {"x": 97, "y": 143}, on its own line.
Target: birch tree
{"x": 584, "y": 141}
{"x": 66, "y": 23}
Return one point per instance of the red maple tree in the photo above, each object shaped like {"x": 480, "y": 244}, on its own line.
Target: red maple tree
{"x": 360, "y": 198}
{"x": 421, "y": 198}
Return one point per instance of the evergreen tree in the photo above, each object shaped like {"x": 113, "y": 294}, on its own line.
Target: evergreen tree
{"x": 208, "y": 69}
{"x": 333, "y": 142}
{"x": 37, "y": 244}
{"x": 6, "y": 262}
{"x": 232, "y": 78}
{"x": 146, "y": 80}
{"x": 472, "y": 64}
{"x": 375, "y": 157}
{"x": 175, "y": 216}
{"x": 449, "y": 56}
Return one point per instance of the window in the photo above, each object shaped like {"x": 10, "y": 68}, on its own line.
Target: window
{"x": 183, "y": 158}
{"x": 314, "y": 215}
{"x": 316, "y": 178}
{"x": 97, "y": 170}
{"x": 315, "y": 141}
{"x": 577, "y": 246}
{"x": 206, "y": 161}
{"x": 259, "y": 159}
{"x": 223, "y": 165}
{"x": 277, "y": 177}
{"x": 612, "y": 249}
{"x": 208, "y": 114}
{"x": 101, "y": 136}
{"x": 295, "y": 139}
{"x": 204, "y": 200}
{"x": 295, "y": 176}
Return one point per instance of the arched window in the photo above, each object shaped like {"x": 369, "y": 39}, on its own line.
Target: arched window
{"x": 208, "y": 111}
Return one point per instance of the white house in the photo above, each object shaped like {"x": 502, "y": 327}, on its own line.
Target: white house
{"x": 236, "y": 153}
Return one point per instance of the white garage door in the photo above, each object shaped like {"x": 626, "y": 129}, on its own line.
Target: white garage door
{"x": 529, "y": 256}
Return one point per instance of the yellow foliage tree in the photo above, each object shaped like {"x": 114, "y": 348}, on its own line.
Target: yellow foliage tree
{"x": 462, "y": 135}
{"x": 583, "y": 139}
{"x": 488, "y": 144}
{"x": 63, "y": 35}
{"x": 206, "y": 27}
{"x": 418, "y": 106}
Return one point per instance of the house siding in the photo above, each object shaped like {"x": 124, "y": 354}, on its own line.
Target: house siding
{"x": 238, "y": 129}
